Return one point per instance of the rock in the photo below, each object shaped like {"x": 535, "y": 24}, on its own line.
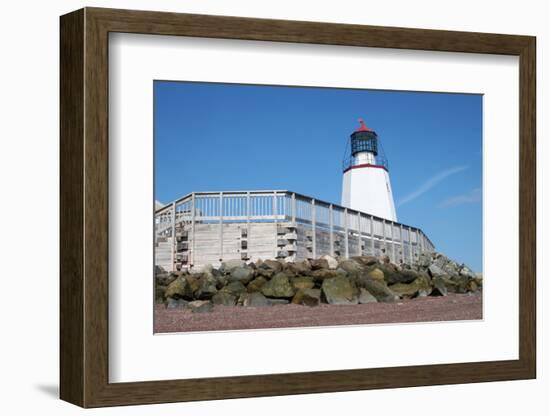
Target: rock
{"x": 322, "y": 274}
{"x": 319, "y": 264}
{"x": 179, "y": 288}
{"x": 207, "y": 287}
{"x": 331, "y": 261}
{"x": 376, "y": 274}
{"x": 256, "y": 284}
{"x": 165, "y": 279}
{"x": 378, "y": 289}
{"x": 366, "y": 297}
{"x": 451, "y": 268}
{"x": 472, "y": 286}
{"x": 273, "y": 265}
{"x": 435, "y": 270}
{"x": 439, "y": 286}
{"x": 255, "y": 299}
{"x": 424, "y": 260}
{"x": 366, "y": 261}
{"x": 234, "y": 288}
{"x": 302, "y": 282}
{"x": 278, "y": 287}
{"x": 264, "y": 272}
{"x": 200, "y": 306}
{"x": 420, "y": 287}
{"x": 228, "y": 265}
{"x": 224, "y": 298}
{"x": 351, "y": 266}
{"x": 466, "y": 271}
{"x": 339, "y": 291}
{"x": 241, "y": 274}
{"x": 461, "y": 283}
{"x": 299, "y": 268}
{"x": 159, "y": 293}
{"x": 308, "y": 297}
{"x": 172, "y": 303}
{"x": 393, "y": 276}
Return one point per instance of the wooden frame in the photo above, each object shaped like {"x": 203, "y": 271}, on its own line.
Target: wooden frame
{"x": 84, "y": 208}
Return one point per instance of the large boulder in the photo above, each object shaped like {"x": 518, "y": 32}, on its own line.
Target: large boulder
{"x": 319, "y": 264}
{"x": 200, "y": 306}
{"x": 182, "y": 287}
{"x": 242, "y": 274}
{"x": 234, "y": 288}
{"x": 435, "y": 271}
{"x": 366, "y": 261}
{"x": 278, "y": 287}
{"x": 424, "y": 260}
{"x": 273, "y": 265}
{"x": 331, "y": 261}
{"x": 365, "y": 296}
{"x": 308, "y": 297}
{"x": 207, "y": 287}
{"x": 439, "y": 286}
{"x": 420, "y": 287}
{"x": 302, "y": 282}
{"x": 376, "y": 274}
{"x": 256, "y": 284}
{"x": 228, "y": 265}
{"x": 393, "y": 276}
{"x": 299, "y": 268}
{"x": 322, "y": 274}
{"x": 378, "y": 289}
{"x": 224, "y": 298}
{"x": 351, "y": 266}
{"x": 164, "y": 279}
{"x": 254, "y": 299}
{"x": 339, "y": 291}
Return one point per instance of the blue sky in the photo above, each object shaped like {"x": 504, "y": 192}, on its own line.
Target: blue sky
{"x": 221, "y": 137}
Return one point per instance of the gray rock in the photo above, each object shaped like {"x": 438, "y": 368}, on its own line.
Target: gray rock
{"x": 439, "y": 286}
{"x": 241, "y": 274}
{"x": 228, "y": 265}
{"x": 308, "y": 297}
{"x": 378, "y": 289}
{"x": 322, "y": 274}
{"x": 172, "y": 303}
{"x": 207, "y": 287}
{"x": 420, "y": 287}
{"x": 299, "y": 268}
{"x": 331, "y": 261}
{"x": 365, "y": 296}
{"x": 200, "y": 306}
{"x": 319, "y": 264}
{"x": 302, "y": 282}
{"x": 255, "y": 299}
{"x": 235, "y": 288}
{"x": 224, "y": 298}
{"x": 435, "y": 270}
{"x": 351, "y": 266}
{"x": 256, "y": 284}
{"x": 278, "y": 287}
{"x": 339, "y": 291}
{"x": 273, "y": 265}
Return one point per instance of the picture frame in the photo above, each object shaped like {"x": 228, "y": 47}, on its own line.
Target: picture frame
{"x": 84, "y": 216}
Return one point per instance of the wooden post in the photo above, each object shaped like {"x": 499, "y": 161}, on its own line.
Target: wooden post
{"x": 221, "y": 226}
{"x": 410, "y": 246}
{"x": 422, "y": 247}
{"x": 392, "y": 234}
{"x": 359, "y": 239}
{"x": 293, "y": 208}
{"x": 384, "y": 237}
{"x": 174, "y": 243}
{"x": 313, "y": 230}
{"x": 274, "y": 211}
{"x": 346, "y": 241}
{"x": 331, "y": 230}
{"x": 192, "y": 260}
{"x": 372, "y": 235}
{"x": 402, "y": 243}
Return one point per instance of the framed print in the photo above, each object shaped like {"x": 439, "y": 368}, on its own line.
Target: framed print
{"x": 254, "y": 207}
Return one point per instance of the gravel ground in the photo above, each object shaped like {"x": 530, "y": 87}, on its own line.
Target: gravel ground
{"x": 450, "y": 308}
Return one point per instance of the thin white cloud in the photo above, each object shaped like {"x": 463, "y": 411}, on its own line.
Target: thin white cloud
{"x": 430, "y": 183}
{"x": 471, "y": 197}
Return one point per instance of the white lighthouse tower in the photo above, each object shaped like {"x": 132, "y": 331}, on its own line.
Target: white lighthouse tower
{"x": 366, "y": 183}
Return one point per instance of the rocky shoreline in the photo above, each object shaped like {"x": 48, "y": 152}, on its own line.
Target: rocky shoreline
{"x": 327, "y": 280}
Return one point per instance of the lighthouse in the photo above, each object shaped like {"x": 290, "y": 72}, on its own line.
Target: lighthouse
{"x": 366, "y": 183}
